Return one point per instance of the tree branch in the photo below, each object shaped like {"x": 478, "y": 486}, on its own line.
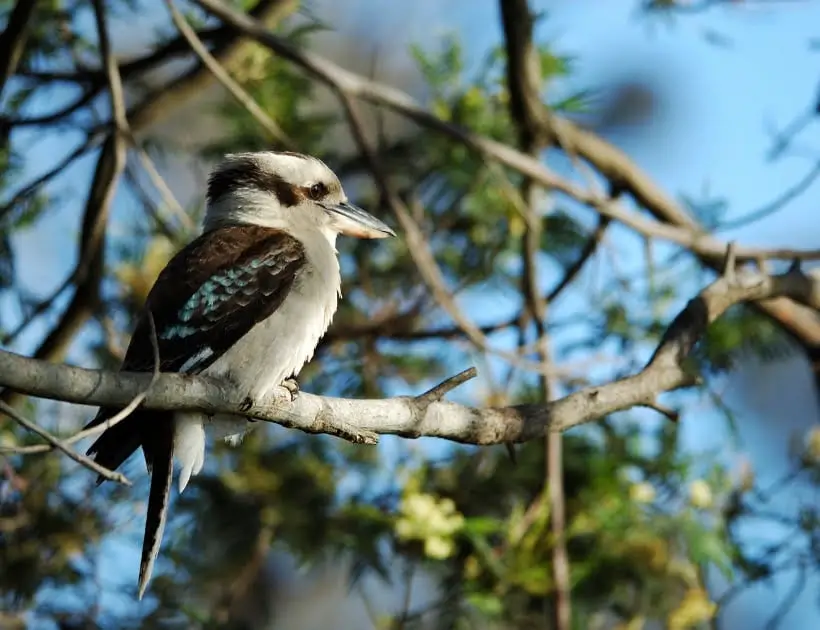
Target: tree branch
{"x": 363, "y": 420}
{"x": 524, "y": 83}
{"x": 13, "y": 40}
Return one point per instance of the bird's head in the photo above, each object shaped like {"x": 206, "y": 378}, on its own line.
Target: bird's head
{"x": 287, "y": 191}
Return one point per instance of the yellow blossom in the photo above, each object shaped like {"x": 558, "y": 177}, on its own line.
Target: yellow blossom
{"x": 642, "y": 492}
{"x": 438, "y": 548}
{"x": 700, "y": 494}
{"x": 433, "y": 521}
{"x": 694, "y": 609}
{"x": 472, "y": 568}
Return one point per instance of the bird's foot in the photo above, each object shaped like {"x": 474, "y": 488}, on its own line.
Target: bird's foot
{"x": 292, "y": 386}
{"x": 246, "y": 404}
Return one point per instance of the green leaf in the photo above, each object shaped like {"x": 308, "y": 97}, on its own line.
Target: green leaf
{"x": 486, "y": 604}
{"x": 482, "y": 525}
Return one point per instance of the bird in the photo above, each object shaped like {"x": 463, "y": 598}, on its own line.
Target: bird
{"x": 246, "y": 301}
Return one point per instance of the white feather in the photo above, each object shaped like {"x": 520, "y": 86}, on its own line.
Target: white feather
{"x": 189, "y": 446}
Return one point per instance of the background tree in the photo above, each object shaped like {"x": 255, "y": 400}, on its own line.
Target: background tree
{"x": 531, "y": 246}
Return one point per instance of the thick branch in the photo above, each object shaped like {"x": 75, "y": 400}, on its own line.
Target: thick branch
{"x": 523, "y": 73}
{"x": 363, "y": 420}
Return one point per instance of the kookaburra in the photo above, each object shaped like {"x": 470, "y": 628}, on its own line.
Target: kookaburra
{"x": 246, "y": 301}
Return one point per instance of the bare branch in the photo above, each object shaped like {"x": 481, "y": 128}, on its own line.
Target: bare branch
{"x": 699, "y": 242}
{"x": 438, "y": 392}
{"x": 667, "y": 412}
{"x": 523, "y": 73}
{"x": 363, "y": 420}
{"x": 112, "y": 71}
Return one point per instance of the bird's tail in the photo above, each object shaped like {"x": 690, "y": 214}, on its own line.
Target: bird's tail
{"x": 161, "y": 457}
{"x": 116, "y": 443}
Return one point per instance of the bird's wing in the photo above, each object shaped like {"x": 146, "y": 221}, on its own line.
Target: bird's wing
{"x": 206, "y": 299}
{"x": 224, "y": 282}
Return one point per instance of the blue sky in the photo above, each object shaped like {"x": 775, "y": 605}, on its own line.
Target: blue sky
{"x": 711, "y": 134}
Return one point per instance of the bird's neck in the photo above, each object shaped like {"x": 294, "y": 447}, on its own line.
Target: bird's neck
{"x": 320, "y": 248}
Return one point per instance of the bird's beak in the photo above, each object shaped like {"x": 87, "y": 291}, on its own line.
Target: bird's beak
{"x": 353, "y": 221}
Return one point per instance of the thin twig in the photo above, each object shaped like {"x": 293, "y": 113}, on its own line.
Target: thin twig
{"x": 30, "y": 188}
{"x": 584, "y": 255}
{"x": 170, "y": 96}
{"x": 162, "y": 187}
{"x": 77, "y": 457}
{"x": 789, "y": 600}
{"x": 220, "y": 74}
{"x": 438, "y": 392}
{"x": 667, "y": 412}
{"x": 782, "y": 200}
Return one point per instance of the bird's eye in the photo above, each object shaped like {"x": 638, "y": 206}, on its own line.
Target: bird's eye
{"x": 318, "y": 190}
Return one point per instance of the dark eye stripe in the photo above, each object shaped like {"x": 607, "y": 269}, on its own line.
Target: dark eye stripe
{"x": 246, "y": 174}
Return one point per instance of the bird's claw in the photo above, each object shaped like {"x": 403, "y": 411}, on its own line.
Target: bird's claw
{"x": 292, "y": 386}
{"x": 246, "y": 404}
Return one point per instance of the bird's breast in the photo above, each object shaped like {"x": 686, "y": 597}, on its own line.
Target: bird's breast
{"x": 278, "y": 347}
